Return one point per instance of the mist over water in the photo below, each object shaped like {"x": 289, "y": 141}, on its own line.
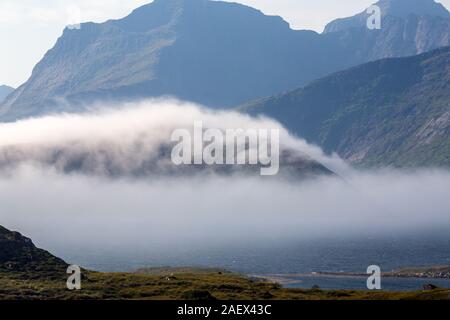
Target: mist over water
{"x": 80, "y": 215}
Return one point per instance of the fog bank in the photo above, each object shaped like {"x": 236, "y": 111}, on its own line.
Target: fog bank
{"x": 95, "y": 211}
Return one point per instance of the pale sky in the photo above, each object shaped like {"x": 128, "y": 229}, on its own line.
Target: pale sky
{"x": 28, "y": 28}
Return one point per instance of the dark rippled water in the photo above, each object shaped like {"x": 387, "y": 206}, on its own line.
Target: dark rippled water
{"x": 296, "y": 257}
{"x": 359, "y": 283}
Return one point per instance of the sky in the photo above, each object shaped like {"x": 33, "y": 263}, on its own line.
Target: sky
{"x": 29, "y": 28}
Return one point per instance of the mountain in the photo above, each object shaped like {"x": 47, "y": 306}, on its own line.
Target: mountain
{"x": 75, "y": 156}
{"x": 393, "y": 112}
{"x": 215, "y": 53}
{"x": 391, "y": 9}
{"x": 4, "y": 92}
{"x": 408, "y": 27}
{"x": 19, "y": 254}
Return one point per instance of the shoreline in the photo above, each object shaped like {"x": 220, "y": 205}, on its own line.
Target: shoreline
{"x": 432, "y": 272}
{"x": 296, "y": 278}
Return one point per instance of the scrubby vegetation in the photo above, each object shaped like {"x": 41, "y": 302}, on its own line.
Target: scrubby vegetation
{"x": 185, "y": 286}
{"x": 19, "y": 256}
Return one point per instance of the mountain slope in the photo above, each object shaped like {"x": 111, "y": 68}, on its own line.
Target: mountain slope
{"x": 18, "y": 254}
{"x": 214, "y": 53}
{"x": 408, "y": 27}
{"x": 4, "y": 92}
{"x": 389, "y": 112}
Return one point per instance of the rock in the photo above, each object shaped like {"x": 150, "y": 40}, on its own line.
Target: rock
{"x": 429, "y": 287}
{"x": 198, "y": 295}
{"x": 267, "y": 295}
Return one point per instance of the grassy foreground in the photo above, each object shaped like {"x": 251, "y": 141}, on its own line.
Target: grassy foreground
{"x": 186, "y": 286}
{"x": 30, "y": 273}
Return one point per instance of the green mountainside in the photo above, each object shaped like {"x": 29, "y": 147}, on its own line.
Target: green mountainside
{"x": 391, "y": 112}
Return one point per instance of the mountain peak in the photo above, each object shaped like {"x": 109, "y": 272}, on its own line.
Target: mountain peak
{"x": 169, "y": 12}
{"x": 402, "y": 8}
{"x": 209, "y": 52}
{"x": 392, "y": 8}
{"x": 219, "y": 54}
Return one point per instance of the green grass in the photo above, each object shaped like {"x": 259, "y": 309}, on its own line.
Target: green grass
{"x": 184, "y": 286}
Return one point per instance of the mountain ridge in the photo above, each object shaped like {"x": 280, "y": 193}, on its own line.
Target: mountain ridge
{"x": 408, "y": 27}
{"x": 198, "y": 51}
{"x": 393, "y": 8}
{"x": 391, "y": 112}
{"x": 4, "y": 92}
{"x": 215, "y": 53}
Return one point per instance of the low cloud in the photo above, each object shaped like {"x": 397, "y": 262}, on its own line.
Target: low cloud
{"x": 134, "y": 140}
{"x": 92, "y": 211}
